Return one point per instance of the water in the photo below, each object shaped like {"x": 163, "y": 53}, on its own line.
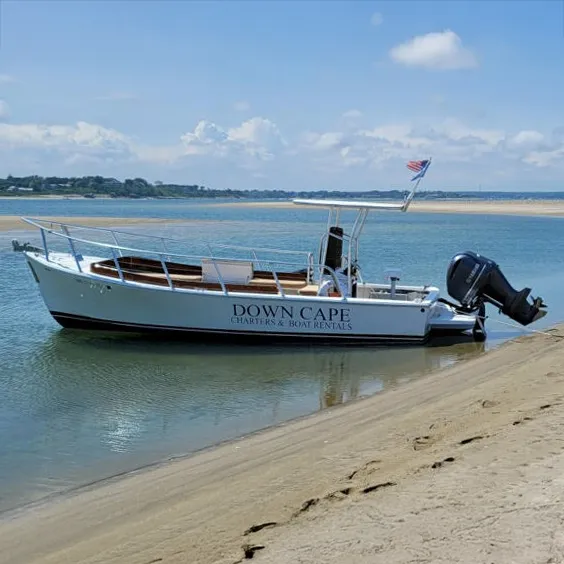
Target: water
{"x": 77, "y": 407}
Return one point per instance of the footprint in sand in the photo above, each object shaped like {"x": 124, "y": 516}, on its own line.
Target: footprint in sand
{"x": 249, "y": 550}
{"x": 259, "y": 527}
{"x": 438, "y": 464}
{"x": 519, "y": 421}
{"x": 338, "y": 495}
{"x": 470, "y": 440}
{"x": 365, "y": 470}
{"x": 378, "y": 487}
{"x": 306, "y": 505}
{"x": 420, "y": 443}
{"x": 486, "y": 404}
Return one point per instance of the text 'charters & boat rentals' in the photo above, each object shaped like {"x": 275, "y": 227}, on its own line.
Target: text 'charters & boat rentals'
{"x": 237, "y": 293}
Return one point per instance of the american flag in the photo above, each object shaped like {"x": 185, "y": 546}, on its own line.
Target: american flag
{"x": 417, "y": 166}
{"x": 420, "y": 167}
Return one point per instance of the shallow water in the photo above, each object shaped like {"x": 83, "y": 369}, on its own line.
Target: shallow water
{"x": 77, "y": 406}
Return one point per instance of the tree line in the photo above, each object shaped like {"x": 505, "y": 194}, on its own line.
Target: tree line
{"x": 99, "y": 186}
{"x": 92, "y": 186}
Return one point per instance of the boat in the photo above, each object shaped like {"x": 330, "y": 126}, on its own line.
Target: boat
{"x": 236, "y": 293}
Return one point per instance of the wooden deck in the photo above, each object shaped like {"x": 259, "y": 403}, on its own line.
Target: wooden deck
{"x": 148, "y": 271}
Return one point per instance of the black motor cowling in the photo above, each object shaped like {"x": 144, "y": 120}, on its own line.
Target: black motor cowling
{"x": 473, "y": 279}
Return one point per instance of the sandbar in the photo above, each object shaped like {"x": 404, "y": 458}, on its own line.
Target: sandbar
{"x": 552, "y": 208}
{"x": 462, "y": 465}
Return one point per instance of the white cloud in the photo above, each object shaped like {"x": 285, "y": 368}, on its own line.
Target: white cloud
{"x": 546, "y": 158}
{"x": 205, "y": 133}
{"x": 254, "y": 140}
{"x": 256, "y": 149}
{"x": 257, "y": 137}
{"x": 324, "y": 141}
{"x": 441, "y": 51}
{"x": 242, "y": 106}
{"x": 527, "y": 138}
{"x": 6, "y": 79}
{"x": 82, "y": 137}
{"x": 449, "y": 141}
{"x": 376, "y": 19}
{"x": 453, "y": 129}
{"x": 4, "y": 110}
{"x": 352, "y": 114}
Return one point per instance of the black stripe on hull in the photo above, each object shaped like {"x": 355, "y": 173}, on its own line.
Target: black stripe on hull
{"x": 71, "y": 321}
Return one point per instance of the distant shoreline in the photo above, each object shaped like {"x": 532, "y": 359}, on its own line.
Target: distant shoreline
{"x": 99, "y": 187}
{"x": 537, "y": 208}
{"x": 549, "y": 208}
{"x": 525, "y": 198}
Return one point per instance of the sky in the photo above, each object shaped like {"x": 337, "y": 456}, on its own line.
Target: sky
{"x": 290, "y": 95}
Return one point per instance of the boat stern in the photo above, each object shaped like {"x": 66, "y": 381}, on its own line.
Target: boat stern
{"x": 444, "y": 319}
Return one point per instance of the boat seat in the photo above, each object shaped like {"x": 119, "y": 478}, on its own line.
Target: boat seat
{"x": 149, "y": 265}
{"x": 289, "y": 284}
{"x": 182, "y": 281}
{"x": 309, "y": 290}
{"x": 286, "y": 276}
{"x": 141, "y": 264}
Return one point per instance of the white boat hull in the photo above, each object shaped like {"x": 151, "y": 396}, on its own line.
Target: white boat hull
{"x": 83, "y": 300}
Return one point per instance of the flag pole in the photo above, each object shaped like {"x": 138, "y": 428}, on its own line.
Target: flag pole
{"x": 419, "y": 177}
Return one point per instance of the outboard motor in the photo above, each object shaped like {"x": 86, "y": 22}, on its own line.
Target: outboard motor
{"x": 473, "y": 279}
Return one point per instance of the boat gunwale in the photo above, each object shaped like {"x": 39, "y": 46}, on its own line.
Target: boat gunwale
{"x": 431, "y": 298}
{"x": 310, "y": 265}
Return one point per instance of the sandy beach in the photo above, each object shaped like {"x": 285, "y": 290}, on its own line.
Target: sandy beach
{"x": 553, "y": 208}
{"x": 463, "y": 465}
{"x": 14, "y": 222}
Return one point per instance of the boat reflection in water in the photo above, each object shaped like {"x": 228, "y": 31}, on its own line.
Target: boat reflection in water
{"x": 123, "y": 385}
{"x": 100, "y": 404}
{"x": 393, "y": 367}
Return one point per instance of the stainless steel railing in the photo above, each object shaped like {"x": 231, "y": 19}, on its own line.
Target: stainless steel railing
{"x": 117, "y": 250}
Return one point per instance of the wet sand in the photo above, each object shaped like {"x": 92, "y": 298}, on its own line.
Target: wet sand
{"x": 463, "y": 465}
{"x": 14, "y": 222}
{"x": 554, "y": 208}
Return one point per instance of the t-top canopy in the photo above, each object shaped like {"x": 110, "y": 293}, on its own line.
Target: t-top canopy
{"x": 351, "y": 204}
